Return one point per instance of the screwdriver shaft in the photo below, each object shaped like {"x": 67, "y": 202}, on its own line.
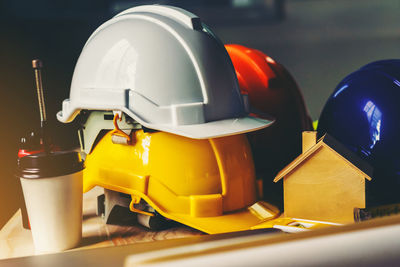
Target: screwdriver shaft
{"x": 37, "y": 66}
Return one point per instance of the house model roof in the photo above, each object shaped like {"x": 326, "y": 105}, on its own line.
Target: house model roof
{"x": 330, "y": 143}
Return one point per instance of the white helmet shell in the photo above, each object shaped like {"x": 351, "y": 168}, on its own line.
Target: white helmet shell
{"x": 164, "y": 68}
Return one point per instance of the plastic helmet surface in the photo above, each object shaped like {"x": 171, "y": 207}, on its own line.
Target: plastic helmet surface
{"x": 363, "y": 113}
{"x": 164, "y": 68}
{"x": 272, "y": 90}
{"x": 206, "y": 184}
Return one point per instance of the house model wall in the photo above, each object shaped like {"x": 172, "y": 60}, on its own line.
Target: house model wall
{"x": 325, "y": 182}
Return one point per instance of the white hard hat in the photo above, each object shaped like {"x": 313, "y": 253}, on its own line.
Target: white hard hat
{"x": 164, "y": 68}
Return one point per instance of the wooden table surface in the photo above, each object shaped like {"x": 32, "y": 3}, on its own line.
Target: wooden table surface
{"x": 15, "y": 241}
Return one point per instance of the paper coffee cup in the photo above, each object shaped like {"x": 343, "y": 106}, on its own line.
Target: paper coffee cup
{"x": 52, "y": 188}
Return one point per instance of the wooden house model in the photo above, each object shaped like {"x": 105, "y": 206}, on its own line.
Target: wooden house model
{"x": 326, "y": 182}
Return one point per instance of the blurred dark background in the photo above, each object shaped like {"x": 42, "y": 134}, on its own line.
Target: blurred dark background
{"x": 319, "y": 41}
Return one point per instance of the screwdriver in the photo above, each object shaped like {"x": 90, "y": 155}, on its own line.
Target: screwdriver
{"x": 37, "y": 66}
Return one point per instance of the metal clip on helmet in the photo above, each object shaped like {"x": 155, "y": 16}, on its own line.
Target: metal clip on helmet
{"x": 364, "y": 114}
{"x": 272, "y": 90}
{"x": 167, "y": 71}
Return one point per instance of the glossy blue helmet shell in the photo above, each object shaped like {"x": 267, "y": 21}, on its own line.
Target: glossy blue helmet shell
{"x": 364, "y": 114}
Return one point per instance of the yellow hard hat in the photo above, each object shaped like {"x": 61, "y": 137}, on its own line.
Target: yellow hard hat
{"x": 208, "y": 184}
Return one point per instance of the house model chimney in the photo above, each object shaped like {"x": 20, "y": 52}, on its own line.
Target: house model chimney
{"x": 309, "y": 139}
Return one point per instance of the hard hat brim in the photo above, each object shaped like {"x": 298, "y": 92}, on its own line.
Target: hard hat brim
{"x": 231, "y": 222}
{"x": 211, "y": 129}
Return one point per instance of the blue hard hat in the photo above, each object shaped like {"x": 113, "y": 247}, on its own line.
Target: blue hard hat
{"x": 363, "y": 113}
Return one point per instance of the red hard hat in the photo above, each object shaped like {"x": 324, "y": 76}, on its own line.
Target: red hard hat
{"x": 271, "y": 90}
